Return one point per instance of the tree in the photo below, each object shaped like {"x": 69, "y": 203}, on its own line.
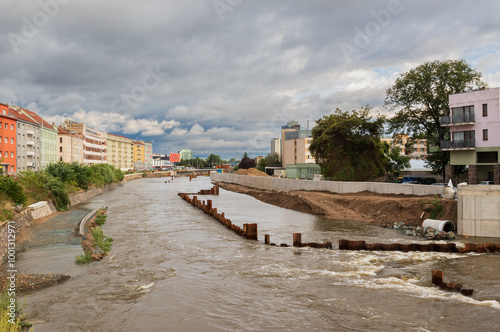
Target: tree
{"x": 271, "y": 160}
{"x": 214, "y": 160}
{"x": 395, "y": 161}
{"x": 420, "y": 97}
{"x": 347, "y": 145}
{"x": 246, "y": 162}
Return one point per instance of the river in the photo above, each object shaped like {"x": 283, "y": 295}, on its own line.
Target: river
{"x": 173, "y": 268}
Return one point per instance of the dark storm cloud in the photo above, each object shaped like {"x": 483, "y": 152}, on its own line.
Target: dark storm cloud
{"x": 222, "y": 76}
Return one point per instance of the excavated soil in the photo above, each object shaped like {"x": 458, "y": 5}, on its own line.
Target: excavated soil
{"x": 250, "y": 172}
{"x": 382, "y": 209}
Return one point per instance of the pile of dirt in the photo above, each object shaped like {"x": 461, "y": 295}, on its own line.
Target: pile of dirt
{"x": 250, "y": 172}
{"x": 369, "y": 207}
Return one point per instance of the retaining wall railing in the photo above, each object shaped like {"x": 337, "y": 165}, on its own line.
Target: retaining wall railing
{"x": 86, "y": 219}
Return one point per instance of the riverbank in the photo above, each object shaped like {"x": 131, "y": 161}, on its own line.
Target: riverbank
{"x": 380, "y": 209}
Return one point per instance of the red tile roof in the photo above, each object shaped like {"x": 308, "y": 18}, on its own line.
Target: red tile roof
{"x": 22, "y": 116}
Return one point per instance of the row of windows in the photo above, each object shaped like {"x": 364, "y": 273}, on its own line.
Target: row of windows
{"x": 7, "y": 140}
{"x": 7, "y": 126}
{"x": 6, "y": 154}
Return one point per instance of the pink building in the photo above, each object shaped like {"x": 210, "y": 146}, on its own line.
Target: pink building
{"x": 474, "y": 124}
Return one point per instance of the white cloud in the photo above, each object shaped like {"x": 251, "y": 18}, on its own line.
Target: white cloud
{"x": 196, "y": 129}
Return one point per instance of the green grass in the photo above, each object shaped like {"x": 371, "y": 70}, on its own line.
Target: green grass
{"x": 437, "y": 211}
{"x": 19, "y": 322}
{"x": 82, "y": 259}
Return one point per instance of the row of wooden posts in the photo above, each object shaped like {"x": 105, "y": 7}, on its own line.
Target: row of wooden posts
{"x": 212, "y": 191}
{"x": 437, "y": 279}
{"x": 445, "y": 247}
{"x": 248, "y": 231}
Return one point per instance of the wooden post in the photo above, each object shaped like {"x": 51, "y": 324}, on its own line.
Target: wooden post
{"x": 328, "y": 245}
{"x": 217, "y": 189}
{"x": 360, "y": 245}
{"x": 437, "y": 277}
{"x": 267, "y": 239}
{"x": 343, "y": 244}
{"x": 209, "y": 203}
{"x": 252, "y": 231}
{"x": 466, "y": 292}
{"x": 297, "y": 240}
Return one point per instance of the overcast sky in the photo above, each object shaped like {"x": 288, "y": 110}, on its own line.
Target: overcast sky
{"x": 222, "y": 76}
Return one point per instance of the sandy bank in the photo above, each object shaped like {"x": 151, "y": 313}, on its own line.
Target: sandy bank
{"x": 382, "y": 209}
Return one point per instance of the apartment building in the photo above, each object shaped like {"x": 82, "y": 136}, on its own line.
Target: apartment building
{"x": 8, "y": 141}
{"x": 70, "y": 146}
{"x": 186, "y": 154}
{"x": 474, "y": 124}
{"x": 48, "y": 140}
{"x": 120, "y": 152}
{"x": 139, "y": 156}
{"x": 295, "y": 154}
{"x": 94, "y": 142}
{"x": 29, "y": 141}
{"x": 417, "y": 150}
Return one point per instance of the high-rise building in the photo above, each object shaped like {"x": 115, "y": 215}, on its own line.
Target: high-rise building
{"x": 276, "y": 145}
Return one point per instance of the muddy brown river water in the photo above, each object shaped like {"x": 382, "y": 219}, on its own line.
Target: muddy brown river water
{"x": 173, "y": 268}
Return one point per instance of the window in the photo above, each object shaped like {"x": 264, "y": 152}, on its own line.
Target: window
{"x": 60, "y": 149}
{"x": 6, "y": 140}
{"x": 485, "y": 134}
{"x": 60, "y": 139}
{"x": 11, "y": 141}
{"x": 485, "y": 109}
{"x": 6, "y": 126}
{"x": 0, "y": 154}
{"x": 12, "y": 168}
{"x": 11, "y": 127}
{"x": 12, "y": 154}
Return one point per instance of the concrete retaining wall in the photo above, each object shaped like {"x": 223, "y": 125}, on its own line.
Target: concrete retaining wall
{"x": 479, "y": 211}
{"x": 270, "y": 183}
{"x": 42, "y": 209}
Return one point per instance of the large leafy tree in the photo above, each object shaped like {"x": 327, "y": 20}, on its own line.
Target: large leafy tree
{"x": 347, "y": 146}
{"x": 214, "y": 160}
{"x": 271, "y": 160}
{"x": 420, "y": 99}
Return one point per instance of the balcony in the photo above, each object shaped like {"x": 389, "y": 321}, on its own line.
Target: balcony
{"x": 30, "y": 132}
{"x": 469, "y": 144}
{"x": 30, "y": 143}
{"x": 30, "y": 164}
{"x": 30, "y": 153}
{"x": 458, "y": 120}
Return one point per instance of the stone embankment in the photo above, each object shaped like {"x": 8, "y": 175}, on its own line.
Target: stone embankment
{"x": 43, "y": 209}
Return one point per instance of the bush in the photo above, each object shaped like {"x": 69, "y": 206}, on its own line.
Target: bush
{"x": 19, "y": 322}
{"x": 12, "y": 189}
{"x": 85, "y": 258}
{"x": 101, "y": 241}
{"x": 58, "y": 192}
{"x": 35, "y": 185}
{"x": 100, "y": 219}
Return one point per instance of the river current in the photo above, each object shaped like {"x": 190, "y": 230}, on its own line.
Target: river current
{"x": 173, "y": 268}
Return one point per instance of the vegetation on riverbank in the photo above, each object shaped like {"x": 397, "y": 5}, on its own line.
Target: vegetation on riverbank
{"x": 8, "y": 323}
{"x": 95, "y": 244}
{"x": 54, "y": 183}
